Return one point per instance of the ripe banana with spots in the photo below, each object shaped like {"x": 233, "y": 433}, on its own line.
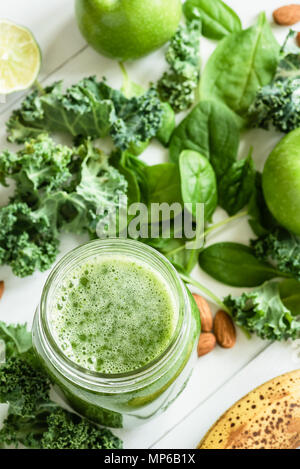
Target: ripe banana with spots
{"x": 267, "y": 418}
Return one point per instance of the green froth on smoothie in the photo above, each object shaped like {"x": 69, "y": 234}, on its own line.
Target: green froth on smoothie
{"x": 113, "y": 315}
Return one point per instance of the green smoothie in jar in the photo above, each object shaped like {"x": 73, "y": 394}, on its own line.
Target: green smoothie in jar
{"x": 117, "y": 331}
{"x": 113, "y": 315}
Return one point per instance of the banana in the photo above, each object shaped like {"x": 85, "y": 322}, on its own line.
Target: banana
{"x": 267, "y": 418}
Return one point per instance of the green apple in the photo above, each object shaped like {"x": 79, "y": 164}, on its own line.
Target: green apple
{"x": 281, "y": 182}
{"x": 127, "y": 29}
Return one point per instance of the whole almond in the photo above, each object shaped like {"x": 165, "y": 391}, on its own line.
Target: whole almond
{"x": 206, "y": 344}
{"x": 298, "y": 39}
{"x": 205, "y": 313}
{"x": 224, "y": 330}
{"x": 288, "y": 15}
{"x": 1, "y": 288}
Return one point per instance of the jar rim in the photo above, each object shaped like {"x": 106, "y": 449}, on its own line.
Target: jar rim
{"x": 114, "y": 246}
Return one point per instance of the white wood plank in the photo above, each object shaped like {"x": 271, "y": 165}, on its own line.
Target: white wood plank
{"x": 209, "y": 375}
{"x": 274, "y": 361}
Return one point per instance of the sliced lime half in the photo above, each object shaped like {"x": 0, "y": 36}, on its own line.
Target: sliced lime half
{"x": 20, "y": 58}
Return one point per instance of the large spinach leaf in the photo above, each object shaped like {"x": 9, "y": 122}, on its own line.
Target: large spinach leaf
{"x": 237, "y": 185}
{"x": 235, "y": 265}
{"x": 241, "y": 64}
{"x": 211, "y": 130}
{"x": 198, "y": 182}
{"x": 163, "y": 183}
{"x": 217, "y": 18}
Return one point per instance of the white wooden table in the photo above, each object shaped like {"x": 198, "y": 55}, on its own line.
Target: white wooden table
{"x": 223, "y": 376}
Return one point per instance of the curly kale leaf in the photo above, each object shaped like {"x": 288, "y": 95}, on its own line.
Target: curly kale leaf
{"x": 138, "y": 119}
{"x": 87, "y": 109}
{"x": 41, "y": 167}
{"x": 17, "y": 339}
{"x": 282, "y": 249}
{"x": 279, "y": 102}
{"x": 34, "y": 420}
{"x": 177, "y": 86}
{"x": 52, "y": 427}
{"x": 263, "y": 313}
{"x": 23, "y": 386}
{"x": 97, "y": 195}
{"x": 57, "y": 189}
{"x": 69, "y": 431}
{"x": 38, "y": 423}
{"x": 28, "y": 239}
{"x": 84, "y": 109}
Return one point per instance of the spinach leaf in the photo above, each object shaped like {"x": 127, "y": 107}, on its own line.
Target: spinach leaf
{"x": 290, "y": 295}
{"x": 198, "y": 182}
{"x": 217, "y": 18}
{"x": 163, "y": 183}
{"x": 235, "y": 265}
{"x": 241, "y": 64}
{"x": 262, "y": 312}
{"x": 237, "y": 185}
{"x": 261, "y": 220}
{"x": 209, "y": 129}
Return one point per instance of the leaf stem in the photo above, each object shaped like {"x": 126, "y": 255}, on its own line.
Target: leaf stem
{"x": 212, "y": 296}
{"x": 208, "y": 231}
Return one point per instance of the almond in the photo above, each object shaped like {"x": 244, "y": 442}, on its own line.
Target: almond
{"x": 205, "y": 313}
{"x": 224, "y": 330}
{"x": 298, "y": 39}
{"x": 1, "y": 288}
{"x": 288, "y": 15}
{"x": 206, "y": 344}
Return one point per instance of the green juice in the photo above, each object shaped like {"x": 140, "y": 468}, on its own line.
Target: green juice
{"x": 117, "y": 331}
{"x": 113, "y": 315}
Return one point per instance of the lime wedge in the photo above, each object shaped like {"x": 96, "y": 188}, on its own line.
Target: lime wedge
{"x": 20, "y": 58}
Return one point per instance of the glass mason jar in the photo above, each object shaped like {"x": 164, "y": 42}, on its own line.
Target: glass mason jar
{"x": 120, "y": 400}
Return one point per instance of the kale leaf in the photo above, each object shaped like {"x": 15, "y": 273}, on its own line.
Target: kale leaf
{"x": 69, "y": 431}
{"x": 177, "y": 86}
{"x": 88, "y": 109}
{"x": 28, "y": 239}
{"x": 57, "y": 189}
{"x": 282, "y": 249}
{"x": 17, "y": 339}
{"x": 279, "y": 102}
{"x": 34, "y": 420}
{"x": 263, "y": 313}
